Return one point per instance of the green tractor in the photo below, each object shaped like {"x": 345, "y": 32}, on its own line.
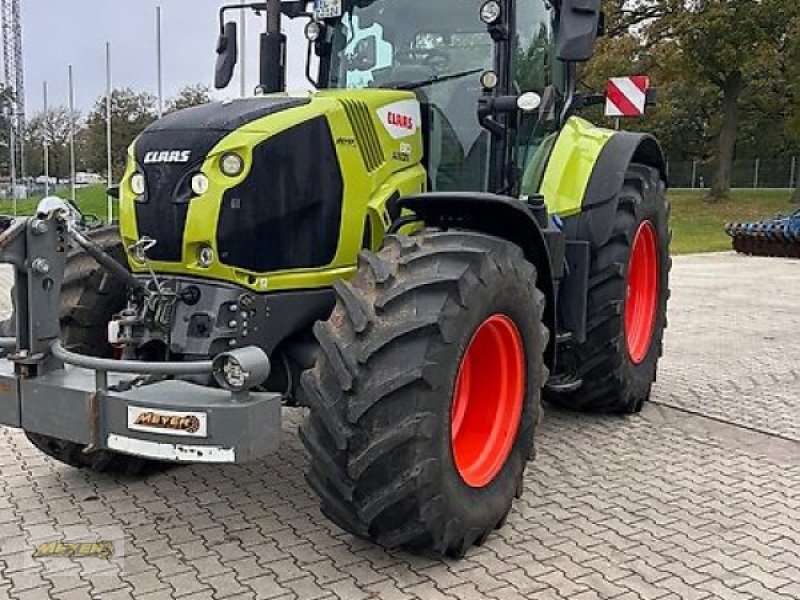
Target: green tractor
{"x": 417, "y": 253}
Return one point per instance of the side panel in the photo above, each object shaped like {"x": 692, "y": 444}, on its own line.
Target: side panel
{"x": 571, "y": 166}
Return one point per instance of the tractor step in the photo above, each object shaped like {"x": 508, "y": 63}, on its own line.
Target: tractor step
{"x": 563, "y": 384}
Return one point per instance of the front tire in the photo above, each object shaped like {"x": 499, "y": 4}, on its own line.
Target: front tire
{"x": 627, "y": 304}
{"x": 427, "y": 393}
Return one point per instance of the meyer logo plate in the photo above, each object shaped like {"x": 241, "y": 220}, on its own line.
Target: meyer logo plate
{"x": 166, "y": 422}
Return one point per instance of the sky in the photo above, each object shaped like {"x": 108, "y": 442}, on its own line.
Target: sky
{"x": 57, "y": 33}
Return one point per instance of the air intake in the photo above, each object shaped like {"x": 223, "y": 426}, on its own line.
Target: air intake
{"x": 366, "y": 135}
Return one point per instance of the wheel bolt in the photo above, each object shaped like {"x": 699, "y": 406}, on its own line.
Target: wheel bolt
{"x": 39, "y": 227}
{"x": 41, "y": 266}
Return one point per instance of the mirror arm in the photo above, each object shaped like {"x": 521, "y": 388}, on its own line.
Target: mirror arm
{"x": 309, "y": 76}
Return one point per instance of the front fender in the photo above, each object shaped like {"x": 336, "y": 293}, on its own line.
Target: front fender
{"x": 506, "y": 218}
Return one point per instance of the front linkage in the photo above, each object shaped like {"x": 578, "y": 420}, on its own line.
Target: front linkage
{"x": 106, "y": 404}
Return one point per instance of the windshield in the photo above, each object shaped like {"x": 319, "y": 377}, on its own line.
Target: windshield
{"x": 402, "y": 43}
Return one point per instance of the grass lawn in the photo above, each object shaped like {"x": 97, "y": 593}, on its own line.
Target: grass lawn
{"x": 697, "y": 226}
{"x": 91, "y": 200}
{"x": 700, "y": 227}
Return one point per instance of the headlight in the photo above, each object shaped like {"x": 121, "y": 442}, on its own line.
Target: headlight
{"x": 241, "y": 370}
{"x": 490, "y": 12}
{"x": 231, "y": 164}
{"x": 138, "y": 184}
{"x": 489, "y": 80}
{"x": 205, "y": 256}
{"x": 200, "y": 184}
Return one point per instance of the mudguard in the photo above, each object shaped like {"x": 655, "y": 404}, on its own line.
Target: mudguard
{"x": 600, "y": 202}
{"x": 586, "y": 171}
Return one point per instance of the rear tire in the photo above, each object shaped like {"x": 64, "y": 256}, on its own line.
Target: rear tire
{"x": 618, "y": 362}
{"x": 90, "y": 297}
{"x": 388, "y": 459}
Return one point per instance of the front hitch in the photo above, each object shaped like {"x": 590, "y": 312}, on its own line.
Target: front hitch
{"x": 49, "y": 390}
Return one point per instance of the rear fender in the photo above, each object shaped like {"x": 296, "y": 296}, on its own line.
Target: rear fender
{"x": 601, "y": 199}
{"x": 586, "y": 172}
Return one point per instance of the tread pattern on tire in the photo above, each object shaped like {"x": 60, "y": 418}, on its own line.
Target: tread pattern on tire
{"x": 374, "y": 392}
{"x": 611, "y": 384}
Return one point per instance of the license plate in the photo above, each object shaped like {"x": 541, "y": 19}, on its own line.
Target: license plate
{"x": 327, "y": 9}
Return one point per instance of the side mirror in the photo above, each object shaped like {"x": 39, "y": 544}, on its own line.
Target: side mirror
{"x": 227, "y": 55}
{"x": 578, "y": 29}
{"x": 113, "y": 192}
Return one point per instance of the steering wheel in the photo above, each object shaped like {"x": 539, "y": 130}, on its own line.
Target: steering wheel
{"x": 438, "y": 59}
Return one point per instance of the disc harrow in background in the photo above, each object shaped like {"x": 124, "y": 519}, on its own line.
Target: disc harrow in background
{"x": 778, "y": 237}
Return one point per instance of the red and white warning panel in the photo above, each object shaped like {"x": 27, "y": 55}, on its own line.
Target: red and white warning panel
{"x": 627, "y": 96}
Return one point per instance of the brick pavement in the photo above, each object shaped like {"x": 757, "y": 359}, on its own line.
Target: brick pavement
{"x": 700, "y": 502}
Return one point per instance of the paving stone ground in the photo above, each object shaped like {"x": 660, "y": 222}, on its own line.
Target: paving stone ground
{"x": 699, "y": 497}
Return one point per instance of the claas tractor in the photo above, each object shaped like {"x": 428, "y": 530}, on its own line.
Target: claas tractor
{"x": 417, "y": 253}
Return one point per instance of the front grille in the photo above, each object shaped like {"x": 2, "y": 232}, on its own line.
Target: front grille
{"x": 366, "y": 135}
{"x": 287, "y": 212}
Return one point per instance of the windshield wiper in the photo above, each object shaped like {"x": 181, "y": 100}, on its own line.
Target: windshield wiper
{"x": 437, "y": 79}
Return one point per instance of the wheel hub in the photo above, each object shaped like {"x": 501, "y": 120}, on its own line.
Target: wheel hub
{"x": 641, "y": 305}
{"x": 488, "y": 401}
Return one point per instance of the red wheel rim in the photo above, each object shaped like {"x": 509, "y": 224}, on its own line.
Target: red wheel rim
{"x": 642, "y": 299}
{"x": 487, "y": 404}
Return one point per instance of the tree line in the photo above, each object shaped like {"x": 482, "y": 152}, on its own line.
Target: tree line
{"x": 131, "y": 113}
{"x": 727, "y": 74}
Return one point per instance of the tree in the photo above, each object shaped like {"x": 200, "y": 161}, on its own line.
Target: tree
{"x": 191, "y": 95}
{"x": 131, "y": 113}
{"x": 793, "y": 65}
{"x": 732, "y": 45}
{"x": 53, "y": 128}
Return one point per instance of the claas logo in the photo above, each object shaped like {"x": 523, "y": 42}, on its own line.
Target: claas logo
{"x": 401, "y": 121}
{"x": 102, "y": 550}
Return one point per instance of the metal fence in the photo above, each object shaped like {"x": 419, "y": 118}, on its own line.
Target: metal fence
{"x": 775, "y": 173}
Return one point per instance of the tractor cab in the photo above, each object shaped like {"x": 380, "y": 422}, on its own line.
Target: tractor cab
{"x": 456, "y": 56}
{"x": 446, "y": 52}
{"x": 452, "y": 54}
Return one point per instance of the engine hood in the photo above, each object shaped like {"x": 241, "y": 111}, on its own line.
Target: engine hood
{"x": 312, "y": 162}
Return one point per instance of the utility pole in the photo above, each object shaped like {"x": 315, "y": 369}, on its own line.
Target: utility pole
{"x": 72, "y": 133}
{"x": 243, "y": 53}
{"x": 109, "y": 92}
{"x": 159, "y": 64}
{"x": 46, "y": 143}
{"x": 12, "y": 155}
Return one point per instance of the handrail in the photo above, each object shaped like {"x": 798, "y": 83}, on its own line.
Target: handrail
{"x": 108, "y": 365}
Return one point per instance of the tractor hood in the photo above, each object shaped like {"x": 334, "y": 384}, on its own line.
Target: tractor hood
{"x": 224, "y": 117}
{"x": 282, "y": 210}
